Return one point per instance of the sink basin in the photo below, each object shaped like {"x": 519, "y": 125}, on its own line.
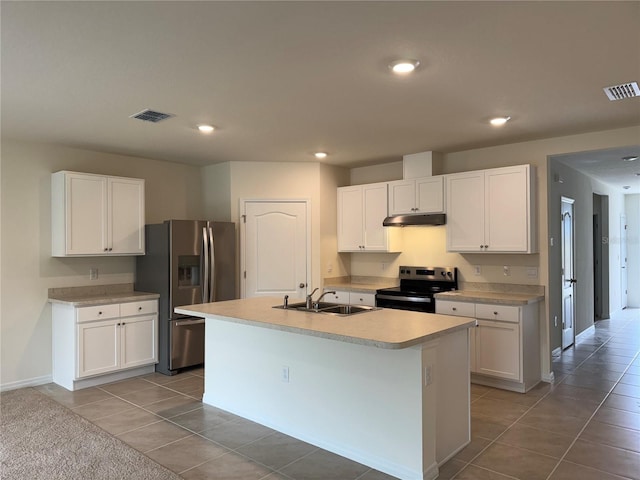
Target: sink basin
{"x": 347, "y": 309}
{"x": 329, "y": 308}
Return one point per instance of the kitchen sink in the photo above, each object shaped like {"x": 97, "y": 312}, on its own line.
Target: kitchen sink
{"x": 328, "y": 308}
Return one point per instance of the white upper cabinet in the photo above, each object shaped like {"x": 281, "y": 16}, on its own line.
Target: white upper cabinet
{"x": 417, "y": 195}
{"x": 96, "y": 215}
{"x": 361, "y": 211}
{"x": 491, "y": 211}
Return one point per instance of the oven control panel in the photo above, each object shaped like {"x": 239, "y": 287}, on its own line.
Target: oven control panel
{"x": 440, "y": 274}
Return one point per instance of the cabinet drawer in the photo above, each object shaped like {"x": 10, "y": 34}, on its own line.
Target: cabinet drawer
{"x": 138, "y": 308}
{"x": 359, "y": 298}
{"x": 504, "y": 313}
{"x": 461, "y": 309}
{"x": 99, "y": 312}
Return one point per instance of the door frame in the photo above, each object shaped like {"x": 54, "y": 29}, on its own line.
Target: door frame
{"x": 624, "y": 264}
{"x": 243, "y": 235}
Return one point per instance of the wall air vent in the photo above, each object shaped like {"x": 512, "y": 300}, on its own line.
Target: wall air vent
{"x": 151, "y": 116}
{"x": 620, "y": 92}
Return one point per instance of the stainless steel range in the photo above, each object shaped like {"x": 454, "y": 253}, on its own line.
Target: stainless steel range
{"x": 417, "y": 288}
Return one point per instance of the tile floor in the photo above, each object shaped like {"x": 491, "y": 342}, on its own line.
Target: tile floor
{"x": 586, "y": 426}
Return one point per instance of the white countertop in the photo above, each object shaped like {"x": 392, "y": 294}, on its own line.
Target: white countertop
{"x": 102, "y": 299}
{"x": 500, "y": 298}
{"x": 383, "y": 328}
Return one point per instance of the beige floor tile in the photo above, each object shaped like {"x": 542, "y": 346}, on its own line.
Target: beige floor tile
{"x": 80, "y": 397}
{"x": 237, "y": 433}
{"x": 627, "y": 390}
{"x": 102, "y": 408}
{"x": 473, "y": 472}
{"x": 471, "y": 451}
{"x": 149, "y": 395}
{"x": 554, "y": 422}
{"x": 510, "y": 460}
{"x": 323, "y": 465}
{"x": 608, "y": 459}
{"x": 579, "y": 393}
{"x": 370, "y": 475}
{"x": 622, "y": 402}
{"x": 231, "y": 466}
{"x": 125, "y": 421}
{"x": 480, "y": 389}
{"x": 488, "y": 427}
{"x": 153, "y": 436}
{"x": 127, "y": 386}
{"x": 203, "y": 418}
{"x": 612, "y": 435}
{"x": 567, "y": 406}
{"x": 491, "y": 407}
{"x": 186, "y": 453}
{"x": 589, "y": 381}
{"x": 619, "y": 418}
{"x": 513, "y": 397}
{"x": 450, "y": 469}
{"x": 630, "y": 379}
{"x": 571, "y": 471}
{"x": 160, "y": 378}
{"x": 189, "y": 383}
{"x": 173, "y": 406}
{"x": 276, "y": 450}
{"x": 539, "y": 441}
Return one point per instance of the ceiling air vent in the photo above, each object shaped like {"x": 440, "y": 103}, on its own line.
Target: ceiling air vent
{"x": 620, "y": 92}
{"x": 151, "y": 116}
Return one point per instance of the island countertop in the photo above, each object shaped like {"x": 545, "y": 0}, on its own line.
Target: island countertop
{"x": 383, "y": 328}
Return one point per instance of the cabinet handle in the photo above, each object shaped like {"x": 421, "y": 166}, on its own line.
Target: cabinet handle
{"x": 99, "y": 313}
{"x": 106, "y": 249}
{"x": 495, "y": 313}
{"x": 486, "y": 246}
{"x": 481, "y": 247}
{"x": 454, "y": 309}
{"x": 139, "y": 308}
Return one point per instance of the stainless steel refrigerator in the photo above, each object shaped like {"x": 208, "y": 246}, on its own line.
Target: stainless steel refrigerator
{"x": 186, "y": 262}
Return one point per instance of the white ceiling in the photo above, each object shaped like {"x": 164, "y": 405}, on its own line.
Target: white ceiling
{"x": 281, "y": 80}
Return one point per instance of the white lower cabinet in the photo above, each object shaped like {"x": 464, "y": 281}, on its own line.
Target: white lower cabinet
{"x": 504, "y": 348}
{"x": 352, "y": 298}
{"x": 89, "y": 343}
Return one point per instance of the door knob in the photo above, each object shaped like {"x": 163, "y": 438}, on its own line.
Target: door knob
{"x": 302, "y": 285}
{"x": 573, "y": 280}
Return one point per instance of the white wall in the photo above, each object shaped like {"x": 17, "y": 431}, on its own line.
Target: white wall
{"x": 28, "y": 270}
{"x": 632, "y": 208}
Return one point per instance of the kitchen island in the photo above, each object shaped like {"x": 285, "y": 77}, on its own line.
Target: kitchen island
{"x": 386, "y": 388}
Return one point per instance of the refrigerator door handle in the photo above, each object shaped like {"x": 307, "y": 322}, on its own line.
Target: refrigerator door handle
{"x": 212, "y": 268}
{"x": 206, "y": 274}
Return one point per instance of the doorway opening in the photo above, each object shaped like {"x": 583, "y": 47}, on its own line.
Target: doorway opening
{"x": 600, "y": 256}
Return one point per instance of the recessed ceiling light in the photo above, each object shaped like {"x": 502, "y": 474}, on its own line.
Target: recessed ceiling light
{"x": 320, "y": 155}
{"x": 404, "y": 66}
{"x": 205, "y": 128}
{"x": 630, "y": 158}
{"x": 626, "y": 187}
{"x": 499, "y": 121}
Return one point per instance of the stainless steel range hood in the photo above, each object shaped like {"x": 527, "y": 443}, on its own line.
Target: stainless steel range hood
{"x": 407, "y": 220}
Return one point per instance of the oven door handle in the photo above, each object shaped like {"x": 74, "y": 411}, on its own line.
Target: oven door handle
{"x": 405, "y": 299}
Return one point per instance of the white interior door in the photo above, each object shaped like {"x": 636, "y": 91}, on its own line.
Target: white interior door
{"x": 568, "y": 273}
{"x": 275, "y": 246}
{"x": 623, "y": 262}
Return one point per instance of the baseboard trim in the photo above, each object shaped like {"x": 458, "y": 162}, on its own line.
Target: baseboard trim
{"x": 548, "y": 377}
{"x": 586, "y": 331}
{"x": 30, "y": 382}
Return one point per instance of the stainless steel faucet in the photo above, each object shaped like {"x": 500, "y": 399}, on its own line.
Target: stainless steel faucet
{"x": 309, "y": 304}
{"x": 316, "y": 304}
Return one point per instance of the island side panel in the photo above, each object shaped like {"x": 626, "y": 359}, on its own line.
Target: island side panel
{"x": 361, "y": 402}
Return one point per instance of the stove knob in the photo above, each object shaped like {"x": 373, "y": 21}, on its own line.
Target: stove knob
{"x": 449, "y": 274}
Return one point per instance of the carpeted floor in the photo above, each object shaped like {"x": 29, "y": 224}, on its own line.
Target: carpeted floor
{"x": 41, "y": 439}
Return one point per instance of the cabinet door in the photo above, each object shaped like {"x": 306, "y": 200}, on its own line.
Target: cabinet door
{"x": 341, "y": 296}
{"x": 86, "y": 214}
{"x": 126, "y": 216}
{"x": 402, "y": 197}
{"x": 375, "y": 211}
{"x": 139, "y": 341}
{"x": 430, "y": 195}
{"x": 350, "y": 226}
{"x": 98, "y": 347}
{"x": 472, "y": 350}
{"x": 507, "y": 218}
{"x": 465, "y": 212}
{"x": 498, "y": 349}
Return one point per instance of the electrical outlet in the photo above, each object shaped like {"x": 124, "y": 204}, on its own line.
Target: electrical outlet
{"x": 330, "y": 268}
{"x": 477, "y": 270}
{"x": 93, "y": 273}
{"x": 555, "y": 320}
{"x": 506, "y": 270}
{"x": 285, "y": 374}
{"x": 384, "y": 266}
{"x": 532, "y": 272}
